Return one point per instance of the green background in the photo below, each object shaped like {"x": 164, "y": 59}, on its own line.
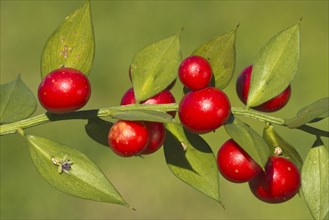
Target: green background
{"x": 122, "y": 28}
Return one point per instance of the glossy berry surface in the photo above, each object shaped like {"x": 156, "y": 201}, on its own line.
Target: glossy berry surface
{"x": 64, "y": 90}
{"x": 195, "y": 72}
{"x": 157, "y": 133}
{"x": 204, "y": 110}
{"x": 235, "y": 164}
{"x": 164, "y": 97}
{"x": 128, "y": 138}
{"x": 279, "y": 183}
{"x": 272, "y": 105}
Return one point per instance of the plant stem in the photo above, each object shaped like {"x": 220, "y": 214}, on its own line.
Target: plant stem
{"x": 12, "y": 128}
{"x": 257, "y": 115}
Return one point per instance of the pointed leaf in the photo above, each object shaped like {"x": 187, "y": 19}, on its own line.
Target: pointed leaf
{"x": 220, "y": 52}
{"x": 155, "y": 67}
{"x": 311, "y": 113}
{"x": 274, "y": 140}
{"x": 191, "y": 159}
{"x": 248, "y": 139}
{"x": 315, "y": 180}
{"x": 84, "y": 180}
{"x": 72, "y": 44}
{"x": 17, "y": 101}
{"x": 275, "y": 66}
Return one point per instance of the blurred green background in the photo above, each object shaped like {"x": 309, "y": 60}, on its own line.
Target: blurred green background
{"x": 122, "y": 28}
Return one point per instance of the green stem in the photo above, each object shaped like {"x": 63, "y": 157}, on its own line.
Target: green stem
{"x": 12, "y": 128}
{"x": 257, "y": 115}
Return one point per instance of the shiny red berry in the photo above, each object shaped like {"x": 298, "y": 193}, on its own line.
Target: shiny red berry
{"x": 235, "y": 164}
{"x": 272, "y": 105}
{"x": 157, "y": 133}
{"x": 164, "y": 97}
{"x": 128, "y": 138}
{"x": 279, "y": 183}
{"x": 64, "y": 90}
{"x": 204, "y": 110}
{"x": 195, "y": 72}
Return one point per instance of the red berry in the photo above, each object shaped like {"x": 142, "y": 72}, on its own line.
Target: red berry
{"x": 272, "y": 105}
{"x": 164, "y": 97}
{"x": 235, "y": 164}
{"x": 204, "y": 110}
{"x": 195, "y": 72}
{"x": 128, "y": 138}
{"x": 64, "y": 90}
{"x": 157, "y": 133}
{"x": 279, "y": 183}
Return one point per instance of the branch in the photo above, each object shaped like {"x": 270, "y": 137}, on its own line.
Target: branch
{"x": 12, "y": 128}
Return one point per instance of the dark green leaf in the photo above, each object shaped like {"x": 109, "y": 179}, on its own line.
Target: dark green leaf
{"x": 17, "y": 101}
{"x": 220, "y": 52}
{"x": 248, "y": 139}
{"x": 274, "y": 140}
{"x": 315, "y": 180}
{"x": 191, "y": 159}
{"x": 143, "y": 115}
{"x": 275, "y": 66}
{"x": 155, "y": 67}
{"x": 98, "y": 130}
{"x": 72, "y": 44}
{"x": 311, "y": 113}
{"x": 84, "y": 180}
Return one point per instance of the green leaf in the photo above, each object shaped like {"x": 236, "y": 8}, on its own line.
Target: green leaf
{"x": 72, "y": 44}
{"x": 315, "y": 180}
{"x": 314, "y": 112}
{"x": 220, "y": 52}
{"x": 17, "y": 101}
{"x": 143, "y": 115}
{"x": 84, "y": 180}
{"x": 275, "y": 66}
{"x": 98, "y": 130}
{"x": 191, "y": 159}
{"x": 274, "y": 140}
{"x": 155, "y": 67}
{"x": 248, "y": 139}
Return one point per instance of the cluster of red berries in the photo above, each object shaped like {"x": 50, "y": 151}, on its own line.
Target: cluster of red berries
{"x": 281, "y": 179}
{"x": 64, "y": 90}
{"x": 278, "y": 183}
{"x": 130, "y": 138}
{"x": 204, "y": 108}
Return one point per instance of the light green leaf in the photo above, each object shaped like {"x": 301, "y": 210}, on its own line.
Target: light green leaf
{"x": 17, "y": 101}
{"x": 316, "y": 111}
{"x": 155, "y": 67}
{"x": 84, "y": 180}
{"x": 248, "y": 139}
{"x": 72, "y": 44}
{"x": 315, "y": 180}
{"x": 274, "y": 140}
{"x": 275, "y": 66}
{"x": 142, "y": 115}
{"x": 220, "y": 52}
{"x": 191, "y": 159}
